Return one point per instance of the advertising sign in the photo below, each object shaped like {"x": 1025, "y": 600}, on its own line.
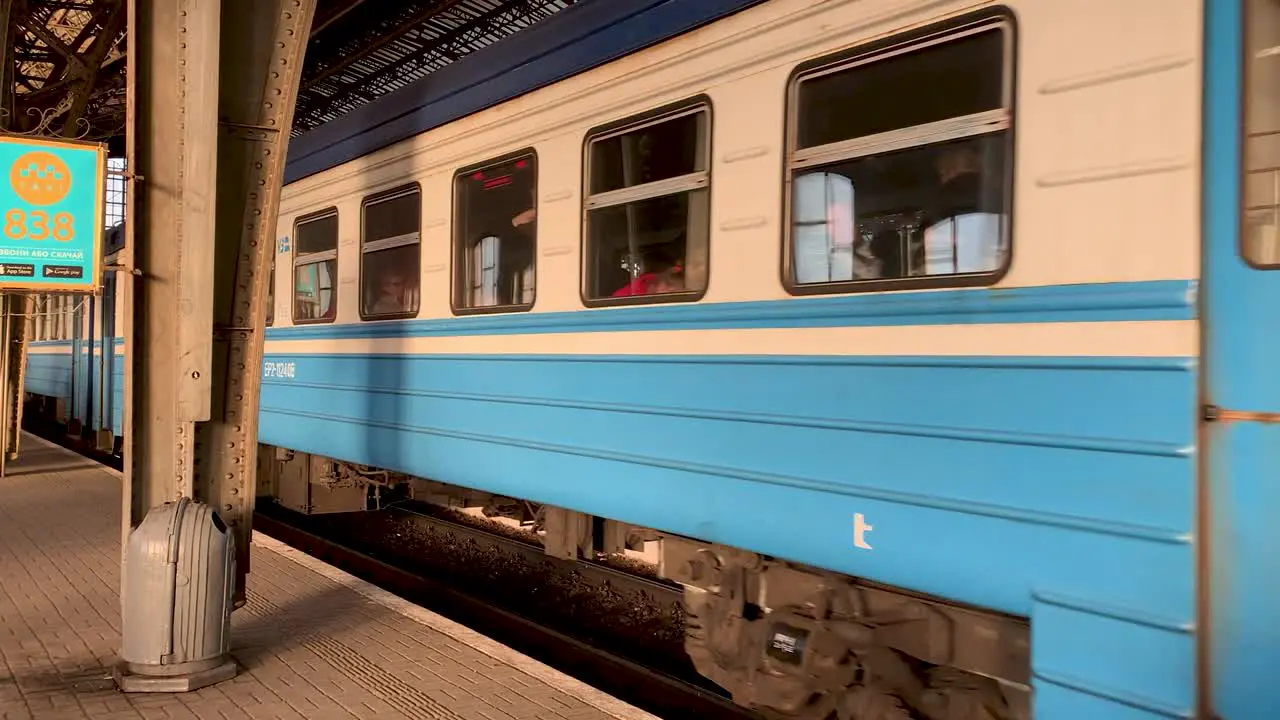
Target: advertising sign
{"x": 51, "y": 214}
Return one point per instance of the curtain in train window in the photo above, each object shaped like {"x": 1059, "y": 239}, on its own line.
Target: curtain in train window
{"x": 823, "y": 234}
{"x": 484, "y": 271}
{"x": 313, "y": 295}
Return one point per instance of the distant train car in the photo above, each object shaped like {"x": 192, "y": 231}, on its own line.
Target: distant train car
{"x": 928, "y": 342}
{"x": 75, "y": 362}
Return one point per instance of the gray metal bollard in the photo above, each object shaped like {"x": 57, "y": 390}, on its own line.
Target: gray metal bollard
{"x": 177, "y": 588}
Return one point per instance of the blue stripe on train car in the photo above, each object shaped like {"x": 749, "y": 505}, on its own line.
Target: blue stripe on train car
{"x": 49, "y": 374}
{"x": 1064, "y": 484}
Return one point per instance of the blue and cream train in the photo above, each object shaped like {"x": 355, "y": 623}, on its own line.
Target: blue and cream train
{"x": 926, "y": 340}
{"x": 74, "y": 370}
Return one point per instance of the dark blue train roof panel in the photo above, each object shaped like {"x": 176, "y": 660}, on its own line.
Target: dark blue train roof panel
{"x": 579, "y": 38}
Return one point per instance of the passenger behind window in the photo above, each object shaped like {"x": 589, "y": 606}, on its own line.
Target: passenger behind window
{"x": 390, "y": 253}
{"x": 962, "y": 222}
{"x": 530, "y": 215}
{"x": 659, "y": 273}
{"x": 648, "y": 209}
{"x": 668, "y": 281}
{"x": 393, "y": 294}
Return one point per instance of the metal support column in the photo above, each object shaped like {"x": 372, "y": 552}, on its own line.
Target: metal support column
{"x": 171, "y": 143}
{"x": 6, "y": 327}
{"x": 195, "y": 343}
{"x": 18, "y": 310}
{"x": 259, "y": 75}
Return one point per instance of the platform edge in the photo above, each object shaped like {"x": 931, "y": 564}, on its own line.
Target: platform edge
{"x": 598, "y": 699}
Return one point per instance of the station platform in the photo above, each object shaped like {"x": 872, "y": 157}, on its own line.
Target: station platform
{"x": 312, "y": 642}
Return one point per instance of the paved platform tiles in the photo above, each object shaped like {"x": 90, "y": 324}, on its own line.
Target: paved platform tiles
{"x": 313, "y": 643}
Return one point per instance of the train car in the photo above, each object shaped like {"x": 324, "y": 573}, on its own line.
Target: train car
{"x": 74, "y": 373}
{"x": 917, "y": 336}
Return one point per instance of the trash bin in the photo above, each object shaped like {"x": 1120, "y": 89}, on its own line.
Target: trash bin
{"x": 176, "y": 601}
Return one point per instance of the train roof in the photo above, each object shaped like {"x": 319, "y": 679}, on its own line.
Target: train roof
{"x": 581, "y": 37}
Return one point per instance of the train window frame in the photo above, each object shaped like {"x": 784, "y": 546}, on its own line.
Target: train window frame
{"x": 397, "y": 241}
{"x": 1249, "y": 59}
{"x": 686, "y": 184}
{"x": 460, "y": 257}
{"x": 300, "y": 259}
{"x": 992, "y": 123}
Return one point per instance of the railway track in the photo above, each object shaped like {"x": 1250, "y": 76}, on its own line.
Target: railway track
{"x": 649, "y": 689}
{"x": 532, "y": 550}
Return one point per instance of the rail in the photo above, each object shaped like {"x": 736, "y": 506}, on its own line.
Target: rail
{"x": 631, "y": 682}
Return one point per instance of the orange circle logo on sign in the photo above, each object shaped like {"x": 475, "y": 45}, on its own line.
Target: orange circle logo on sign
{"x": 40, "y": 178}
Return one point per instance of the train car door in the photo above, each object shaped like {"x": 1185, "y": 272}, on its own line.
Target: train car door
{"x": 1240, "y": 438}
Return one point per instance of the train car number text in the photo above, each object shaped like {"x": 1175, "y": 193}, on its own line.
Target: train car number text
{"x": 279, "y": 369}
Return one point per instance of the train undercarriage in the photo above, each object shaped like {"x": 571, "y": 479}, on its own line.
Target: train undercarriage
{"x": 787, "y": 640}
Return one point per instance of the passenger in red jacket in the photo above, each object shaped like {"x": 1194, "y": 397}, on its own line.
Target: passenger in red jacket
{"x": 664, "y": 276}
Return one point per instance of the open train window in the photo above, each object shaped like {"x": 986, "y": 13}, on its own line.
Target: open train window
{"x": 1260, "y": 234}
{"x": 495, "y": 230}
{"x": 647, "y": 207}
{"x": 390, "y": 254}
{"x": 315, "y": 268}
{"x": 899, "y": 163}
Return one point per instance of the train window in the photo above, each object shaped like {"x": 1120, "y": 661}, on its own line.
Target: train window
{"x": 53, "y": 317}
{"x": 495, "y": 234}
{"x": 647, "y": 208}
{"x": 389, "y": 254}
{"x": 315, "y": 268}
{"x": 898, "y": 165}
{"x": 38, "y": 315}
{"x": 1261, "y": 227}
{"x": 47, "y": 309}
{"x": 271, "y": 291}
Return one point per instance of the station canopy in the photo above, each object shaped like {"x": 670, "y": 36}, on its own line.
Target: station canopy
{"x": 65, "y": 62}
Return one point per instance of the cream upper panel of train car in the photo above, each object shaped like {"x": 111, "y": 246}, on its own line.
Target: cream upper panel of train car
{"x": 1104, "y": 102}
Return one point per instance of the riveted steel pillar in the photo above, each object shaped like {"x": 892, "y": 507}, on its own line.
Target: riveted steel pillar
{"x": 259, "y": 75}
{"x": 18, "y": 313}
{"x": 207, "y": 154}
{"x": 171, "y": 146}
